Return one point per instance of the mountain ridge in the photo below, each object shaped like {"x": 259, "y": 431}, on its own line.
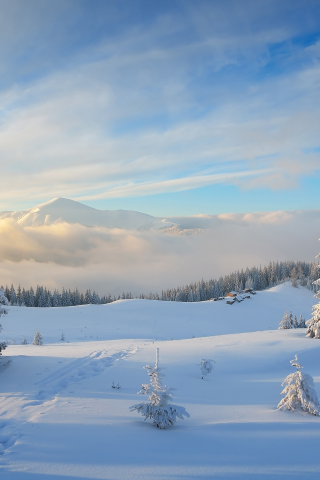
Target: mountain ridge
{"x": 64, "y": 210}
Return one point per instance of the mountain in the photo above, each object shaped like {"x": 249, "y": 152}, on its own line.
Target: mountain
{"x": 235, "y": 225}
{"x": 64, "y": 210}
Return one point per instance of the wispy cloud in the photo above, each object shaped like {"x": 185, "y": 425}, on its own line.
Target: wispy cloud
{"x": 170, "y": 103}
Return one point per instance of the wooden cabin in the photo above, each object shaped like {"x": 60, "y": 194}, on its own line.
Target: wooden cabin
{"x": 232, "y": 294}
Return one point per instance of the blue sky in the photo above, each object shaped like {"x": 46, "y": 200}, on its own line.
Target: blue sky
{"x": 170, "y": 108}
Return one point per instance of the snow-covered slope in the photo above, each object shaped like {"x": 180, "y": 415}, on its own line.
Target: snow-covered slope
{"x": 65, "y": 210}
{"x": 158, "y": 320}
{"x": 60, "y": 419}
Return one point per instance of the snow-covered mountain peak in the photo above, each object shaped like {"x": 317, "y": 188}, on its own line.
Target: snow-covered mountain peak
{"x": 60, "y": 210}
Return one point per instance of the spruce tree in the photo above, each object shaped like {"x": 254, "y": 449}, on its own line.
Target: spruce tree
{"x": 313, "y": 324}
{"x": 56, "y": 299}
{"x": 294, "y": 277}
{"x": 13, "y": 297}
{"x": 37, "y": 340}
{"x": 302, "y": 323}
{"x": 285, "y": 323}
{"x": 206, "y": 367}
{"x": 31, "y": 298}
{"x": 299, "y": 391}
{"x": 295, "y": 322}
{"x": 162, "y": 413}
{"x": 3, "y": 311}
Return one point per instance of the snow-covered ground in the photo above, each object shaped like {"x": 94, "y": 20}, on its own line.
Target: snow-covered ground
{"x": 60, "y": 418}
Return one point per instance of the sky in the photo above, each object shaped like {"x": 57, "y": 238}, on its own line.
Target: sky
{"x": 170, "y": 108}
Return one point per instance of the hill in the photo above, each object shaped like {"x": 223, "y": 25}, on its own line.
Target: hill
{"x": 61, "y": 419}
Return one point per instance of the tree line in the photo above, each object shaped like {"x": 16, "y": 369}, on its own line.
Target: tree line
{"x": 257, "y": 278}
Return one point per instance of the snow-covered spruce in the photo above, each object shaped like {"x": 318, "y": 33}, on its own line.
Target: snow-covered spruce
{"x": 3, "y": 303}
{"x": 206, "y": 366}
{"x": 37, "y": 340}
{"x": 158, "y": 409}
{"x": 286, "y": 321}
{"x": 313, "y": 324}
{"x": 302, "y": 322}
{"x": 3, "y": 311}
{"x": 299, "y": 392}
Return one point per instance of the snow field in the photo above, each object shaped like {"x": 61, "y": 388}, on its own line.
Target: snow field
{"x": 60, "y": 418}
{"x": 135, "y": 319}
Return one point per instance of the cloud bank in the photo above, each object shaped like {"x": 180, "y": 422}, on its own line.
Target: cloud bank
{"x": 113, "y": 260}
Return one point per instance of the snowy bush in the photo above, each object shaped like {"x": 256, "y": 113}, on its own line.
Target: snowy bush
{"x": 117, "y": 386}
{"x": 299, "y": 392}
{"x": 206, "y": 366}
{"x": 158, "y": 409}
{"x": 38, "y": 340}
{"x": 286, "y": 321}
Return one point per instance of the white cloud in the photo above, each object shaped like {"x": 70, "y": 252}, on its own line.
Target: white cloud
{"x": 70, "y": 133}
{"x": 116, "y": 260}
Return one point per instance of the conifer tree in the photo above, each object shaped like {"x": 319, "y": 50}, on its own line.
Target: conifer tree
{"x": 206, "y": 366}
{"x": 313, "y": 324}
{"x": 3, "y": 311}
{"x": 302, "y": 323}
{"x": 31, "y": 298}
{"x": 19, "y": 292}
{"x": 299, "y": 391}
{"x": 285, "y": 322}
{"x": 162, "y": 413}
{"x": 56, "y": 299}
{"x": 13, "y": 297}
{"x": 294, "y": 277}
{"x": 95, "y": 298}
{"x": 37, "y": 340}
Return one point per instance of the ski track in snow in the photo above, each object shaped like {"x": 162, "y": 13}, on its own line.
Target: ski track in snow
{"x": 76, "y": 371}
{"x": 8, "y": 435}
{"x": 50, "y": 386}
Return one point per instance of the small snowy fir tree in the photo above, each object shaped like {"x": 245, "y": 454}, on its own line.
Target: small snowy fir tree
{"x": 206, "y": 366}
{"x": 158, "y": 409}
{"x": 299, "y": 392}
{"x": 285, "y": 322}
{"x": 24, "y": 341}
{"x": 3, "y": 303}
{"x": 313, "y": 324}
{"x": 294, "y": 277}
{"x": 62, "y": 337}
{"x": 3, "y": 311}
{"x": 295, "y": 322}
{"x": 302, "y": 322}
{"x": 38, "y": 340}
